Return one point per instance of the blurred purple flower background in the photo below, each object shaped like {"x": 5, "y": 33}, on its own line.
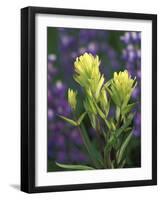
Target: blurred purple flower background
{"x": 132, "y": 57}
{"x": 117, "y": 50}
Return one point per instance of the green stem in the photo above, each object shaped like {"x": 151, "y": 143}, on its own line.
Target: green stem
{"x": 107, "y": 160}
{"x": 100, "y": 140}
{"x": 84, "y": 142}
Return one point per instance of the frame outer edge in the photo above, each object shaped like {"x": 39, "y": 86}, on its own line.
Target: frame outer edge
{"x": 27, "y": 101}
{"x": 24, "y": 100}
{"x": 31, "y": 98}
{"x": 154, "y": 99}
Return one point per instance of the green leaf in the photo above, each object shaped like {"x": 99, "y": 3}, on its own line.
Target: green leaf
{"x": 125, "y": 125}
{"x": 117, "y": 113}
{"x": 96, "y": 108}
{"x": 123, "y": 148}
{"x": 127, "y": 108}
{"x": 100, "y": 83}
{"x": 116, "y": 90}
{"x": 109, "y": 144}
{"x": 107, "y": 124}
{"x": 70, "y": 121}
{"x": 102, "y": 115}
{"x": 92, "y": 118}
{"x": 108, "y": 108}
{"x": 100, "y": 112}
{"x": 74, "y": 167}
{"x": 111, "y": 124}
{"x": 122, "y": 164}
{"x": 92, "y": 151}
{"x": 107, "y": 150}
{"x": 107, "y": 84}
{"x": 134, "y": 84}
{"x": 114, "y": 96}
{"x": 105, "y": 134}
{"x": 128, "y": 129}
{"x": 89, "y": 105}
{"x": 104, "y": 102}
{"x": 126, "y": 100}
{"x": 81, "y": 118}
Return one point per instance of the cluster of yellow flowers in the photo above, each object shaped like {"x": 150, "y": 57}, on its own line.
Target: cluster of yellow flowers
{"x": 87, "y": 74}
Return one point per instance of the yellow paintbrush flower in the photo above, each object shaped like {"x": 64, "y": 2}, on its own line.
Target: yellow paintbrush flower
{"x": 87, "y": 66}
{"x": 72, "y": 98}
{"x": 88, "y": 74}
{"x": 121, "y": 88}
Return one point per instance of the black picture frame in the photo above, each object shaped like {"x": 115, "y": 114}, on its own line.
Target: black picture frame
{"x": 28, "y": 98}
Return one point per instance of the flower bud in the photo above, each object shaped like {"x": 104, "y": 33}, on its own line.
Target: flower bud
{"x": 72, "y": 98}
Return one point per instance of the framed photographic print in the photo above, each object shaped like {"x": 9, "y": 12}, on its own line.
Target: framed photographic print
{"x": 88, "y": 99}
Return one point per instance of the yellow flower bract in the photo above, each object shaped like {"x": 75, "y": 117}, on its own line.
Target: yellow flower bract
{"x": 72, "y": 98}
{"x": 88, "y": 74}
{"x": 123, "y": 84}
